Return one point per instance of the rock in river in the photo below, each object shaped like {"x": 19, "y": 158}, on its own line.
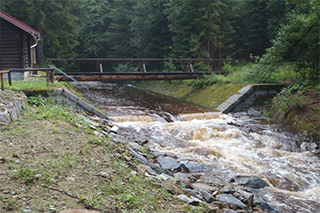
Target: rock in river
{"x": 197, "y": 167}
{"x": 256, "y": 183}
{"x": 168, "y": 163}
{"x": 231, "y": 200}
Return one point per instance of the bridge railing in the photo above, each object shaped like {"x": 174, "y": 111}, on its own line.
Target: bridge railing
{"x": 187, "y": 62}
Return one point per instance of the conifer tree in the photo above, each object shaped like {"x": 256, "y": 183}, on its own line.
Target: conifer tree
{"x": 149, "y": 26}
{"x": 119, "y": 34}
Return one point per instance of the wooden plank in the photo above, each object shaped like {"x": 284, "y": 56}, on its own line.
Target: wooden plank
{"x": 29, "y": 69}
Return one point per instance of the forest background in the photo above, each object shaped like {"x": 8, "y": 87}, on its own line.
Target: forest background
{"x": 271, "y": 33}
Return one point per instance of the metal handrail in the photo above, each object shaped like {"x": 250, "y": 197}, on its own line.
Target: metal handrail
{"x": 55, "y": 68}
{"x": 139, "y": 59}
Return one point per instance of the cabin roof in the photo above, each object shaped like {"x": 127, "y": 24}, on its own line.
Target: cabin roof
{"x": 18, "y": 23}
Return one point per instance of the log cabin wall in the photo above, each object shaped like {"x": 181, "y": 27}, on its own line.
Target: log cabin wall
{"x": 11, "y": 54}
{"x": 16, "y": 39}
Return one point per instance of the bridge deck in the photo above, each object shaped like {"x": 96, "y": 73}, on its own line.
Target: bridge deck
{"x": 112, "y": 77}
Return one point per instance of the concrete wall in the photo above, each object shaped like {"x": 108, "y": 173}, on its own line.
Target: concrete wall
{"x": 17, "y": 76}
{"x": 67, "y": 98}
{"x": 258, "y": 96}
{"x": 250, "y": 96}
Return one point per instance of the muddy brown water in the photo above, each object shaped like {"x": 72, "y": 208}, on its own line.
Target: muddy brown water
{"x": 233, "y": 144}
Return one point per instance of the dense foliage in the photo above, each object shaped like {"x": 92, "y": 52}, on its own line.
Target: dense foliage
{"x": 270, "y": 31}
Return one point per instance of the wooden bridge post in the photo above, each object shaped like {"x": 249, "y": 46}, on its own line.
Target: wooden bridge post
{"x": 52, "y": 76}
{"x": 191, "y": 67}
{"x": 144, "y": 66}
{"x": 48, "y": 77}
{"x": 139, "y": 66}
{"x": 101, "y": 67}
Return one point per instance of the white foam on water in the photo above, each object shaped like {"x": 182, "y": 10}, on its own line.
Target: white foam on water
{"x": 231, "y": 150}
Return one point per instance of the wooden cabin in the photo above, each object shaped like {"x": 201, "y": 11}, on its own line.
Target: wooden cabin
{"x": 18, "y": 44}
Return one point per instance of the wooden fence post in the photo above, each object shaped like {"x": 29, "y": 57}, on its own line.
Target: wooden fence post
{"x": 2, "y": 78}
{"x": 2, "y": 81}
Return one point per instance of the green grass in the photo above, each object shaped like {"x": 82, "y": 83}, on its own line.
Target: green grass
{"x": 34, "y": 83}
{"x": 35, "y": 86}
{"x": 209, "y": 96}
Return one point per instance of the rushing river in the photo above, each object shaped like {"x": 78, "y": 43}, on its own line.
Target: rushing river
{"x": 233, "y": 144}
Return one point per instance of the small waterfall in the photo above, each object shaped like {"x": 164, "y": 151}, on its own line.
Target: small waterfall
{"x": 140, "y": 118}
{"x": 200, "y": 116}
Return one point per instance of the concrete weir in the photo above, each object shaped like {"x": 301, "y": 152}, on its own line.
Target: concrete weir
{"x": 249, "y": 96}
{"x": 66, "y": 97}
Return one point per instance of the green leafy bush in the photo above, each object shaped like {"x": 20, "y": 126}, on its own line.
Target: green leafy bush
{"x": 291, "y": 97}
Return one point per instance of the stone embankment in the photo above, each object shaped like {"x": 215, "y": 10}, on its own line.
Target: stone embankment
{"x": 11, "y": 106}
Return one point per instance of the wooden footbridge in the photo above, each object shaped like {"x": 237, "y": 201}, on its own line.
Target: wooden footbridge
{"x": 187, "y": 71}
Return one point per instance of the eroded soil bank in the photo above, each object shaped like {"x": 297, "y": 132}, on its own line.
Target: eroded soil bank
{"x": 300, "y": 113}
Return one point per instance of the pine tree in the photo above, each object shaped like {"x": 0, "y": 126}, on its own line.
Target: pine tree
{"x": 94, "y": 21}
{"x": 150, "y": 30}
{"x": 201, "y": 29}
{"x": 256, "y": 28}
{"x": 119, "y": 34}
